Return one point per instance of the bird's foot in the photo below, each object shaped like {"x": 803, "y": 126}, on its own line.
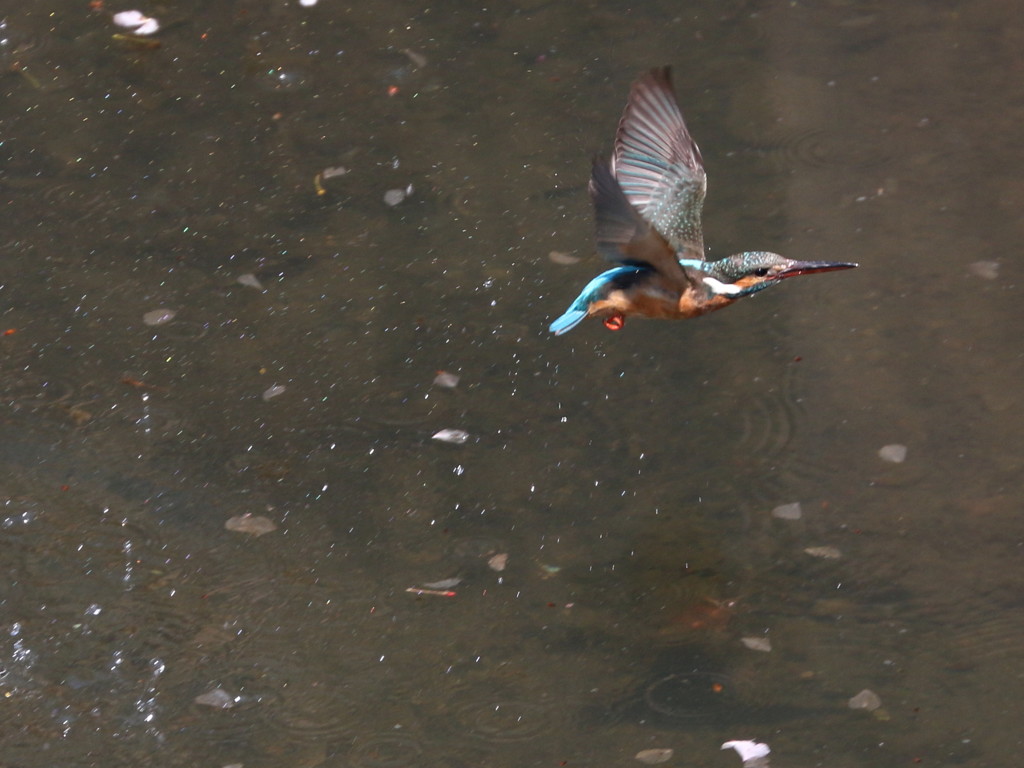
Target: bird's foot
{"x": 615, "y": 322}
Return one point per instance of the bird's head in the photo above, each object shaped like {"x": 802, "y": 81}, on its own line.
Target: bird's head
{"x": 753, "y": 271}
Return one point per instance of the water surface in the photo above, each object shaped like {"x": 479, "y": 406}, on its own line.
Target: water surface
{"x": 629, "y": 477}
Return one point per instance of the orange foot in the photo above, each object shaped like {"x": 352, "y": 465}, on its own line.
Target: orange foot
{"x": 615, "y": 322}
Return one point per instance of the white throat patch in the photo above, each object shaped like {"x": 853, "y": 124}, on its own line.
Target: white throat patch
{"x": 721, "y": 289}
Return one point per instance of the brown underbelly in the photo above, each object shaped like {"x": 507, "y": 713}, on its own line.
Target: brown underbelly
{"x": 662, "y": 307}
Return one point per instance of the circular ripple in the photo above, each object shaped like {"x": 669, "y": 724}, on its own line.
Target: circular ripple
{"x": 149, "y": 626}
{"x": 821, "y": 149}
{"x": 91, "y": 550}
{"x": 32, "y": 391}
{"x": 510, "y": 720}
{"x": 406, "y": 408}
{"x": 767, "y": 425}
{"x": 690, "y": 695}
{"x": 386, "y": 750}
{"x": 317, "y": 714}
{"x": 995, "y": 639}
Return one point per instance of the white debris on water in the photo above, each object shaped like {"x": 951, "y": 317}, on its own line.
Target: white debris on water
{"x": 563, "y": 257}
{"x": 757, "y": 643}
{"x": 217, "y": 698}
{"x": 137, "y": 22}
{"x": 159, "y": 316}
{"x": 453, "y": 436}
{"x": 987, "y": 270}
{"x": 444, "y": 583}
{"x": 446, "y": 380}
{"x": 254, "y": 525}
{"x": 395, "y": 196}
{"x": 654, "y": 756}
{"x": 498, "y": 562}
{"x": 250, "y": 280}
{"x": 418, "y": 59}
{"x": 825, "y": 553}
{"x": 788, "y": 511}
{"x": 866, "y": 699}
{"x": 754, "y": 754}
{"x": 331, "y": 172}
{"x": 893, "y": 452}
{"x": 274, "y": 391}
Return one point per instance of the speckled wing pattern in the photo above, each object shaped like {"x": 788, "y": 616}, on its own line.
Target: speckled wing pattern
{"x": 658, "y": 165}
{"x": 622, "y": 233}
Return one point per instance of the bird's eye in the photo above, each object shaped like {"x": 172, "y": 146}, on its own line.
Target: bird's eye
{"x": 761, "y": 271}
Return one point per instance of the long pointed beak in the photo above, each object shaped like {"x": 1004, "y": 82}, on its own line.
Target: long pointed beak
{"x": 813, "y": 267}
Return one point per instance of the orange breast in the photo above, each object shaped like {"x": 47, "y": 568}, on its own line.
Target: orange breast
{"x": 642, "y": 303}
{"x": 659, "y": 304}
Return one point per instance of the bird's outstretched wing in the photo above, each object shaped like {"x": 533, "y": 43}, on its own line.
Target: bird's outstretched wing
{"x": 658, "y": 165}
{"x": 623, "y": 236}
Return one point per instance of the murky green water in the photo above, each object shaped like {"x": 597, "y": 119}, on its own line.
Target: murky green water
{"x": 628, "y": 477}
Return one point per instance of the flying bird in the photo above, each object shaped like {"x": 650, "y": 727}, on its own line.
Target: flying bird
{"x": 647, "y": 204}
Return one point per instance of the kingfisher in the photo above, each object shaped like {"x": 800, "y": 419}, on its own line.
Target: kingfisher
{"x": 647, "y": 204}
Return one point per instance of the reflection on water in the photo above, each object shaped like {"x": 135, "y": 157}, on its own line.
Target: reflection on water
{"x": 628, "y": 477}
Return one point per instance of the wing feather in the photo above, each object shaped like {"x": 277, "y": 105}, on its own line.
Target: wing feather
{"x": 624, "y": 236}
{"x": 658, "y": 165}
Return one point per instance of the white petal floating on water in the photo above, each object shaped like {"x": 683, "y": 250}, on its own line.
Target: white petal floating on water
{"x": 866, "y": 699}
{"x": 254, "y": 525}
{"x": 159, "y": 316}
{"x": 654, "y": 756}
{"x": 274, "y": 391}
{"x": 446, "y": 380}
{"x": 418, "y": 59}
{"x": 788, "y": 511}
{"x": 453, "y": 436}
{"x": 137, "y": 22}
{"x": 218, "y": 698}
{"x": 307, "y": 3}
{"x": 563, "y": 257}
{"x": 333, "y": 171}
{"x": 498, "y": 562}
{"x": 148, "y": 27}
{"x": 250, "y": 280}
{"x": 444, "y": 583}
{"x": 748, "y": 751}
{"x": 394, "y": 196}
{"x": 129, "y": 19}
{"x": 989, "y": 270}
{"x": 895, "y": 453}
{"x": 757, "y": 643}
{"x": 826, "y": 553}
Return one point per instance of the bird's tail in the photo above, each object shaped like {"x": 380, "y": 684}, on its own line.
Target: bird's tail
{"x": 572, "y": 317}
